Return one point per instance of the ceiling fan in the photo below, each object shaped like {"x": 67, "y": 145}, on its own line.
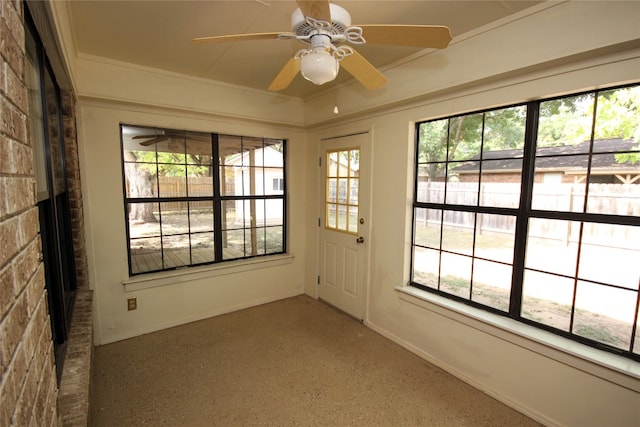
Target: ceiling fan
{"x": 168, "y": 135}
{"x": 326, "y": 27}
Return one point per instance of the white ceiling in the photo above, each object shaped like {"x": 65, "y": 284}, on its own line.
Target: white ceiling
{"x": 158, "y": 33}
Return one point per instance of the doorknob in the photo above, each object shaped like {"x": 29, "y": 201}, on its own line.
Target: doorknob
{"x": 360, "y": 239}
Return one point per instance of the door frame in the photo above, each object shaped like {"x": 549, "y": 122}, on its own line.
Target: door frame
{"x": 366, "y": 211}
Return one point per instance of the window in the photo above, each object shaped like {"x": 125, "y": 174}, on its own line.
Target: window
{"x": 341, "y": 190}
{"x": 196, "y": 198}
{"x": 47, "y": 138}
{"x": 533, "y": 212}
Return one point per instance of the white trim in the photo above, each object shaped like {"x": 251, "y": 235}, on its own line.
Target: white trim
{"x": 191, "y": 317}
{"x": 189, "y": 274}
{"x": 610, "y": 367}
{"x": 535, "y": 415}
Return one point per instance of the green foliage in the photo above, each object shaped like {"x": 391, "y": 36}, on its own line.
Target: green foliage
{"x": 461, "y": 138}
{"x": 504, "y": 129}
{"x": 172, "y": 164}
{"x": 631, "y": 158}
{"x": 432, "y": 141}
{"x": 618, "y": 114}
{"x": 619, "y": 117}
{"x": 465, "y": 137}
{"x": 563, "y": 121}
{"x": 571, "y": 120}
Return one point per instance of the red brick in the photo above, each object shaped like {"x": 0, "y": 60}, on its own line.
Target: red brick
{"x": 12, "y": 329}
{"x": 15, "y": 90}
{"x": 18, "y": 194}
{"x": 7, "y": 400}
{"x": 40, "y": 398}
{"x": 15, "y": 158}
{"x": 36, "y": 289}
{"x": 7, "y": 290}
{"x": 22, "y": 416}
{"x": 6, "y": 152}
{"x": 13, "y": 122}
{"x": 50, "y": 415}
{"x": 10, "y": 49}
{"x": 28, "y": 388}
{"x": 12, "y": 14}
{"x": 10, "y": 387}
{"x": 29, "y": 226}
{"x": 45, "y": 346}
{"x": 10, "y": 245}
{"x": 23, "y": 159}
{"x": 32, "y": 337}
{"x": 26, "y": 264}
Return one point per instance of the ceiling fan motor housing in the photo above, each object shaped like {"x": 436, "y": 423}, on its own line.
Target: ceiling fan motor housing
{"x": 340, "y": 21}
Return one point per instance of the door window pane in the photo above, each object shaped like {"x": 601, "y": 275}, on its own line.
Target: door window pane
{"x": 342, "y": 170}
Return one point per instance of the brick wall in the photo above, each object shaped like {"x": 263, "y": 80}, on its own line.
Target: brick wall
{"x": 28, "y": 389}
{"x": 75, "y": 384}
{"x": 72, "y": 162}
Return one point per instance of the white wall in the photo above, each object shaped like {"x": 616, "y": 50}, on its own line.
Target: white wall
{"x": 550, "y": 34}
{"x": 172, "y": 299}
{"x": 536, "y": 380}
{"x": 548, "y": 50}
{"x": 592, "y": 44}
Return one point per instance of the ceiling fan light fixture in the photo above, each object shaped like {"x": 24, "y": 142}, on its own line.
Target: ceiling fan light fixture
{"x": 325, "y": 28}
{"x": 319, "y": 66}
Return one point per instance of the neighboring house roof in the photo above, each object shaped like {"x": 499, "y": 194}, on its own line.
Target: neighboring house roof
{"x": 566, "y": 158}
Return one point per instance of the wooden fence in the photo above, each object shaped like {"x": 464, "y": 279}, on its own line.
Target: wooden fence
{"x": 264, "y": 211}
{"x": 614, "y": 199}
{"x": 200, "y": 186}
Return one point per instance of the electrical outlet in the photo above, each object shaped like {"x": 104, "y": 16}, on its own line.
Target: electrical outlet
{"x": 132, "y": 304}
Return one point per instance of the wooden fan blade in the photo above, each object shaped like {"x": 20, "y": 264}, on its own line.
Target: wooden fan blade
{"x": 433, "y": 36}
{"x": 363, "y": 71}
{"x": 318, "y": 9}
{"x": 152, "y": 141}
{"x": 240, "y": 37}
{"x": 286, "y": 75}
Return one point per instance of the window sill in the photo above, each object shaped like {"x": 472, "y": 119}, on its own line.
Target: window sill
{"x": 617, "y": 369}
{"x": 188, "y": 274}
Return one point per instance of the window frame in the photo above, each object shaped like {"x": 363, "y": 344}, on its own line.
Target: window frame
{"x": 217, "y": 199}
{"x": 523, "y": 214}
{"x": 51, "y": 190}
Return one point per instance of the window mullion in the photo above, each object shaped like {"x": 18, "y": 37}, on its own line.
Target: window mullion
{"x": 217, "y": 201}
{"x": 522, "y": 220}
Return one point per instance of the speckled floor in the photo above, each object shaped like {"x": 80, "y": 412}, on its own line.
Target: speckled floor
{"x": 293, "y": 362}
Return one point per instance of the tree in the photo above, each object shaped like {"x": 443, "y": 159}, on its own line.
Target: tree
{"x": 565, "y": 121}
{"x": 140, "y": 182}
{"x": 618, "y": 116}
{"x": 143, "y": 167}
{"x": 562, "y": 121}
{"x": 463, "y": 137}
{"x": 571, "y": 120}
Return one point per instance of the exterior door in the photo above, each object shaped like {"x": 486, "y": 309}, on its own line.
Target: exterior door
{"x": 344, "y": 223}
